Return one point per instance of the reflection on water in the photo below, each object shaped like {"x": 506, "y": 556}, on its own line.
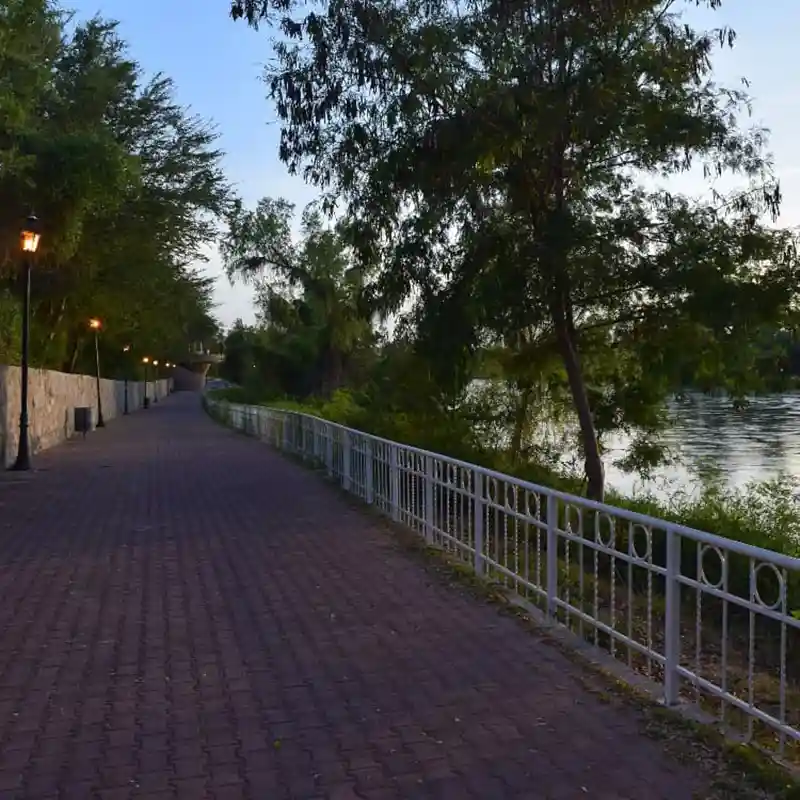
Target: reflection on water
{"x": 756, "y": 443}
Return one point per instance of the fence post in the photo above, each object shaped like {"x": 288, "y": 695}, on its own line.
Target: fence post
{"x": 428, "y": 489}
{"x": 346, "y": 454}
{"x": 672, "y": 621}
{"x": 369, "y": 488}
{"x": 552, "y": 554}
{"x": 394, "y": 483}
{"x": 477, "y": 521}
{"x": 329, "y": 448}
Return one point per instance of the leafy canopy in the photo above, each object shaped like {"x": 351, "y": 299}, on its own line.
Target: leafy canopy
{"x": 504, "y": 166}
{"x": 128, "y": 185}
{"x": 309, "y": 296}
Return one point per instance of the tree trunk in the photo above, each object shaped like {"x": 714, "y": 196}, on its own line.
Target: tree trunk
{"x": 593, "y": 463}
{"x": 73, "y": 358}
{"x": 333, "y": 370}
{"x": 520, "y": 424}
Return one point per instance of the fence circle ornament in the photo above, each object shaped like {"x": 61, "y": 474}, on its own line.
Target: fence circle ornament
{"x": 535, "y": 510}
{"x": 636, "y": 530}
{"x": 510, "y": 500}
{"x": 721, "y": 564}
{"x": 780, "y": 600}
{"x": 611, "y": 529}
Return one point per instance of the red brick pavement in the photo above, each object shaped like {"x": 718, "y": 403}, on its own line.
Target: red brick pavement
{"x": 185, "y": 614}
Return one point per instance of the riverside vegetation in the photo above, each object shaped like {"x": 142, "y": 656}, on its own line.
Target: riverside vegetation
{"x": 317, "y": 352}
{"x": 546, "y": 251}
{"x": 495, "y": 191}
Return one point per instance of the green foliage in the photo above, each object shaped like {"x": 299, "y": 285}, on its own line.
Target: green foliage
{"x": 502, "y": 176}
{"x": 490, "y": 161}
{"x": 762, "y": 514}
{"x": 10, "y": 327}
{"x": 236, "y": 394}
{"x": 127, "y": 185}
{"x": 314, "y": 324}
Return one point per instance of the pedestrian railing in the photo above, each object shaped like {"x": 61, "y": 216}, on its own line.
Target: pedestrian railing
{"x": 713, "y": 621}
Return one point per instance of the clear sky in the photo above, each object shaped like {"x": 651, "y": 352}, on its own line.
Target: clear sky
{"x": 216, "y": 65}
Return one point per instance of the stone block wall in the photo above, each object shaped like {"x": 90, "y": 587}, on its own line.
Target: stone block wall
{"x": 53, "y": 398}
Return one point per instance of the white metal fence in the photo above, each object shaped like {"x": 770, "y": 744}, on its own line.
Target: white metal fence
{"x": 714, "y": 621}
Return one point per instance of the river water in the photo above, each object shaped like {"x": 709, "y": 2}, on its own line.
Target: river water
{"x": 757, "y": 443}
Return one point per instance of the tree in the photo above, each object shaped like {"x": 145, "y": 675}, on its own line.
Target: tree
{"x": 491, "y": 159}
{"x": 308, "y": 294}
{"x": 128, "y": 184}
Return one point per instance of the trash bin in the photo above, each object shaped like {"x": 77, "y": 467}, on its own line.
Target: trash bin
{"x": 83, "y": 420}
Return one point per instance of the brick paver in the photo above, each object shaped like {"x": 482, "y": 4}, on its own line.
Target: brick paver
{"x": 183, "y": 613}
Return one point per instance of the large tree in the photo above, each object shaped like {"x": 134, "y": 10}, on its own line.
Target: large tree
{"x": 127, "y": 183}
{"x": 492, "y": 157}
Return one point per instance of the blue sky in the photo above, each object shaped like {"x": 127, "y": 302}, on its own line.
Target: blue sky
{"x": 216, "y": 65}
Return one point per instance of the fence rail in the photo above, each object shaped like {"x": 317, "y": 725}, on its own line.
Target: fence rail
{"x": 714, "y": 621}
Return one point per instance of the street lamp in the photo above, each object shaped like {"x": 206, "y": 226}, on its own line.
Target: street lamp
{"x": 155, "y": 380}
{"x": 146, "y": 361}
{"x": 96, "y": 325}
{"x": 126, "y": 349}
{"x": 30, "y": 235}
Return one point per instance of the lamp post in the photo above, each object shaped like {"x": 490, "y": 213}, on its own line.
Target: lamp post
{"x": 126, "y": 349}
{"x": 146, "y": 362}
{"x": 155, "y": 380}
{"x": 96, "y": 325}
{"x": 30, "y": 235}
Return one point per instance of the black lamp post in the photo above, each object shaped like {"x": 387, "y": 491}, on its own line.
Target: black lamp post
{"x": 29, "y": 242}
{"x": 146, "y": 362}
{"x": 126, "y": 350}
{"x": 95, "y": 325}
{"x": 155, "y": 380}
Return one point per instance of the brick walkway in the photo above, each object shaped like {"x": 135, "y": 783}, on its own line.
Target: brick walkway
{"x": 183, "y": 613}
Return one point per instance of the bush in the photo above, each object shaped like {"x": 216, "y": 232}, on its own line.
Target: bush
{"x": 236, "y": 394}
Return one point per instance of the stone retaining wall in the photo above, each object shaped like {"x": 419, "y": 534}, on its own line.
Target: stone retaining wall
{"x": 53, "y": 398}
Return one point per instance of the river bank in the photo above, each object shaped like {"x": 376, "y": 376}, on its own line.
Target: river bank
{"x": 763, "y": 513}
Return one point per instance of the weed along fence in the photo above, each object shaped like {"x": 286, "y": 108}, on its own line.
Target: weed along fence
{"x": 713, "y": 621}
